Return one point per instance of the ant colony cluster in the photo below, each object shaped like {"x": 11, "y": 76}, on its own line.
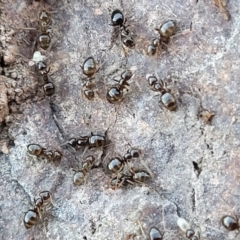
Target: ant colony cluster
{"x": 120, "y": 168}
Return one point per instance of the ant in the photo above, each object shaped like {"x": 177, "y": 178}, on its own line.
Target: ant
{"x": 116, "y": 166}
{"x": 91, "y": 141}
{"x": 115, "y": 93}
{"x": 122, "y": 180}
{"x": 230, "y": 223}
{"x": 155, "y": 234}
{"x": 118, "y": 20}
{"x": 79, "y": 176}
{"x": 38, "y": 151}
{"x": 136, "y": 176}
{"x": 44, "y": 22}
{"x": 140, "y": 176}
{"x": 166, "y": 30}
{"x": 185, "y": 227}
{"x": 167, "y": 99}
{"x": 48, "y": 87}
{"x": 40, "y": 203}
{"x": 89, "y": 68}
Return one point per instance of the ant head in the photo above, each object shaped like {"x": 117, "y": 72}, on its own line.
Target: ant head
{"x": 127, "y": 75}
{"x": 82, "y": 141}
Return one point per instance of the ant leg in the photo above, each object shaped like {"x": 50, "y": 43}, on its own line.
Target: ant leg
{"x": 81, "y": 93}
{"x": 164, "y": 111}
{"x": 132, "y": 183}
{"x": 124, "y": 50}
{"x": 146, "y": 166}
{"x": 97, "y": 92}
{"x": 141, "y": 227}
{"x": 86, "y": 148}
{"x": 161, "y": 83}
{"x": 115, "y": 34}
{"x": 67, "y": 143}
{"x": 129, "y": 167}
{"x": 116, "y": 80}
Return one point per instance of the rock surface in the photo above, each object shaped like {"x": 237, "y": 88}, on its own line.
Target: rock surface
{"x": 195, "y": 164}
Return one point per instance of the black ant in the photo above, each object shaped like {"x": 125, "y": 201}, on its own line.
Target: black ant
{"x": 44, "y": 22}
{"x": 166, "y": 30}
{"x": 89, "y": 68}
{"x": 32, "y": 216}
{"x": 79, "y": 176}
{"x": 185, "y": 227}
{"x": 167, "y": 99}
{"x": 117, "y": 19}
{"x": 135, "y": 176}
{"x": 116, "y": 166}
{"x": 48, "y": 87}
{"x": 115, "y": 93}
{"x": 91, "y": 141}
{"x": 38, "y": 151}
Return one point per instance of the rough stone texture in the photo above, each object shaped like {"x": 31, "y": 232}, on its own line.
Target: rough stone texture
{"x": 4, "y": 111}
{"x": 195, "y": 165}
